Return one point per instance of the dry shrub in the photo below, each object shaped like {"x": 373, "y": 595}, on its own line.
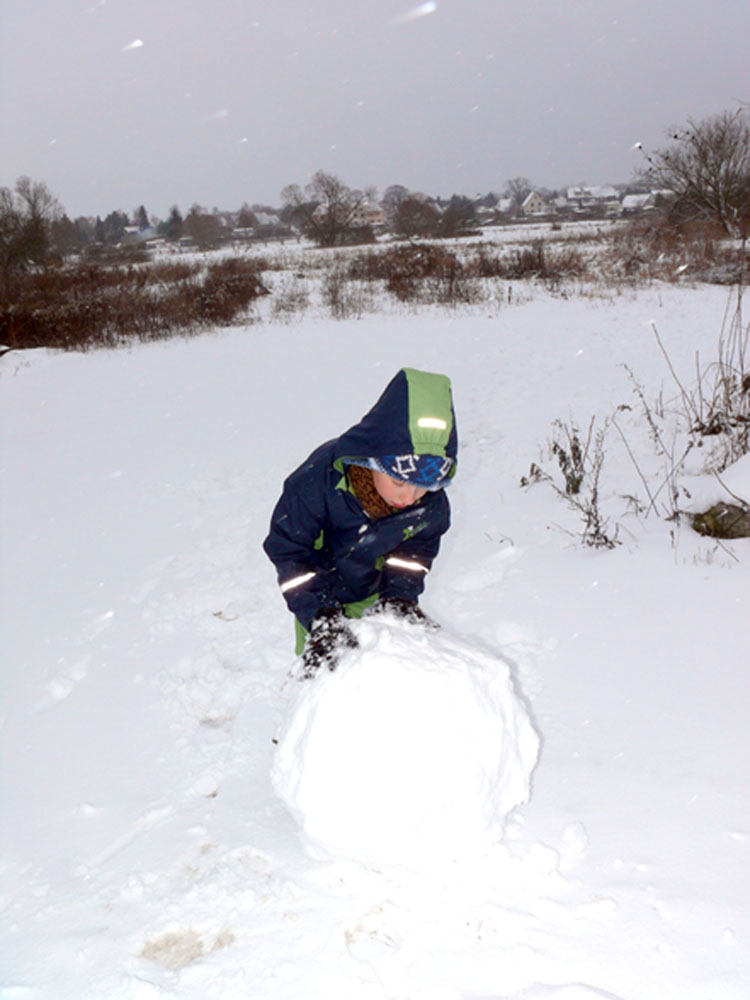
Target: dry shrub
{"x": 418, "y": 272}
{"x": 89, "y": 305}
{"x": 128, "y": 253}
{"x": 580, "y": 461}
{"x": 487, "y": 262}
{"x": 426, "y": 272}
{"x": 527, "y": 262}
{"x": 413, "y": 269}
{"x": 412, "y": 262}
{"x": 292, "y": 298}
{"x": 230, "y": 286}
{"x": 658, "y": 248}
{"x": 344, "y": 298}
{"x": 536, "y": 260}
{"x": 717, "y": 409}
{"x": 368, "y": 265}
{"x": 169, "y": 271}
{"x": 261, "y": 263}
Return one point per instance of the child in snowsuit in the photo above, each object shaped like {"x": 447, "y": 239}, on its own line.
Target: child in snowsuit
{"x": 359, "y": 523}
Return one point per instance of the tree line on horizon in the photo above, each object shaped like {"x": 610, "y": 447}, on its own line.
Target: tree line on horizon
{"x": 706, "y": 165}
{"x": 40, "y": 225}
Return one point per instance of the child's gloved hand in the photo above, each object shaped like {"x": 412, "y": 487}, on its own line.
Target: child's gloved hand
{"x": 329, "y": 635}
{"x": 401, "y": 607}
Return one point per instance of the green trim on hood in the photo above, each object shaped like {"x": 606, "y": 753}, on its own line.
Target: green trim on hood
{"x": 429, "y": 400}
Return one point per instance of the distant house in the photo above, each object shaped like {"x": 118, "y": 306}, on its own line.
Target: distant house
{"x": 267, "y": 221}
{"x": 635, "y": 204}
{"x": 632, "y": 204}
{"x": 365, "y": 213}
{"x": 600, "y": 199}
{"x": 505, "y": 206}
{"x": 132, "y": 234}
{"x": 533, "y": 204}
{"x": 267, "y": 226}
{"x": 663, "y": 198}
{"x": 484, "y": 214}
{"x": 368, "y": 213}
{"x": 227, "y": 219}
{"x": 603, "y": 193}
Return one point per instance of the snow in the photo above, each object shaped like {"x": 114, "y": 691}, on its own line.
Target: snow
{"x": 146, "y": 675}
{"x": 438, "y": 750}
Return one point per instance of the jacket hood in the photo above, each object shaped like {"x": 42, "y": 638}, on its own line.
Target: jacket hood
{"x": 414, "y": 416}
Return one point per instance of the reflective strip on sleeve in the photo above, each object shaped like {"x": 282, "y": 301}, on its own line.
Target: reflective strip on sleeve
{"x": 296, "y": 581}
{"x": 409, "y": 564}
{"x": 434, "y": 422}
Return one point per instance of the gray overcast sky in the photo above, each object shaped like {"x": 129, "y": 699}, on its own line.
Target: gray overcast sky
{"x": 117, "y": 103}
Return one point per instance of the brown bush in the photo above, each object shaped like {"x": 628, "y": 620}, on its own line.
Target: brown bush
{"x": 291, "y": 299}
{"x": 658, "y": 247}
{"x": 89, "y": 305}
{"x": 418, "y": 272}
{"x": 343, "y": 297}
{"x": 411, "y": 267}
{"x": 133, "y": 253}
{"x": 412, "y": 261}
{"x": 536, "y": 260}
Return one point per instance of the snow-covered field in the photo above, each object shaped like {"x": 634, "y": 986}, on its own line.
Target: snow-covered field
{"x": 146, "y": 656}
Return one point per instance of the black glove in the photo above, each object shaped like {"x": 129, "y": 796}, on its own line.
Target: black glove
{"x": 329, "y": 635}
{"x": 401, "y": 607}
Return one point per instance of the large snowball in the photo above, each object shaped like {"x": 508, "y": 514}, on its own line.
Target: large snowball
{"x": 412, "y": 752}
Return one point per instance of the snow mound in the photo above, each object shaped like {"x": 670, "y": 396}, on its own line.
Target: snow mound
{"x": 733, "y": 483}
{"x": 411, "y": 753}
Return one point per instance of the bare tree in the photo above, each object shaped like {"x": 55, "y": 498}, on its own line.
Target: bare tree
{"x": 416, "y": 217}
{"x": 459, "y": 216}
{"x": 247, "y": 219}
{"x": 518, "y": 188}
{"x": 326, "y": 210}
{"x": 26, "y": 215}
{"x": 202, "y": 226}
{"x": 393, "y": 197}
{"x": 65, "y": 236}
{"x": 707, "y": 167}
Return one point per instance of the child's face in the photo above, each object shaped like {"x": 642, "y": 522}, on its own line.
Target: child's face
{"x": 395, "y": 491}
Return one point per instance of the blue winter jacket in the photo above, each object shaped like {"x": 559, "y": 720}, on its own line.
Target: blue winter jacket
{"x": 327, "y": 551}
